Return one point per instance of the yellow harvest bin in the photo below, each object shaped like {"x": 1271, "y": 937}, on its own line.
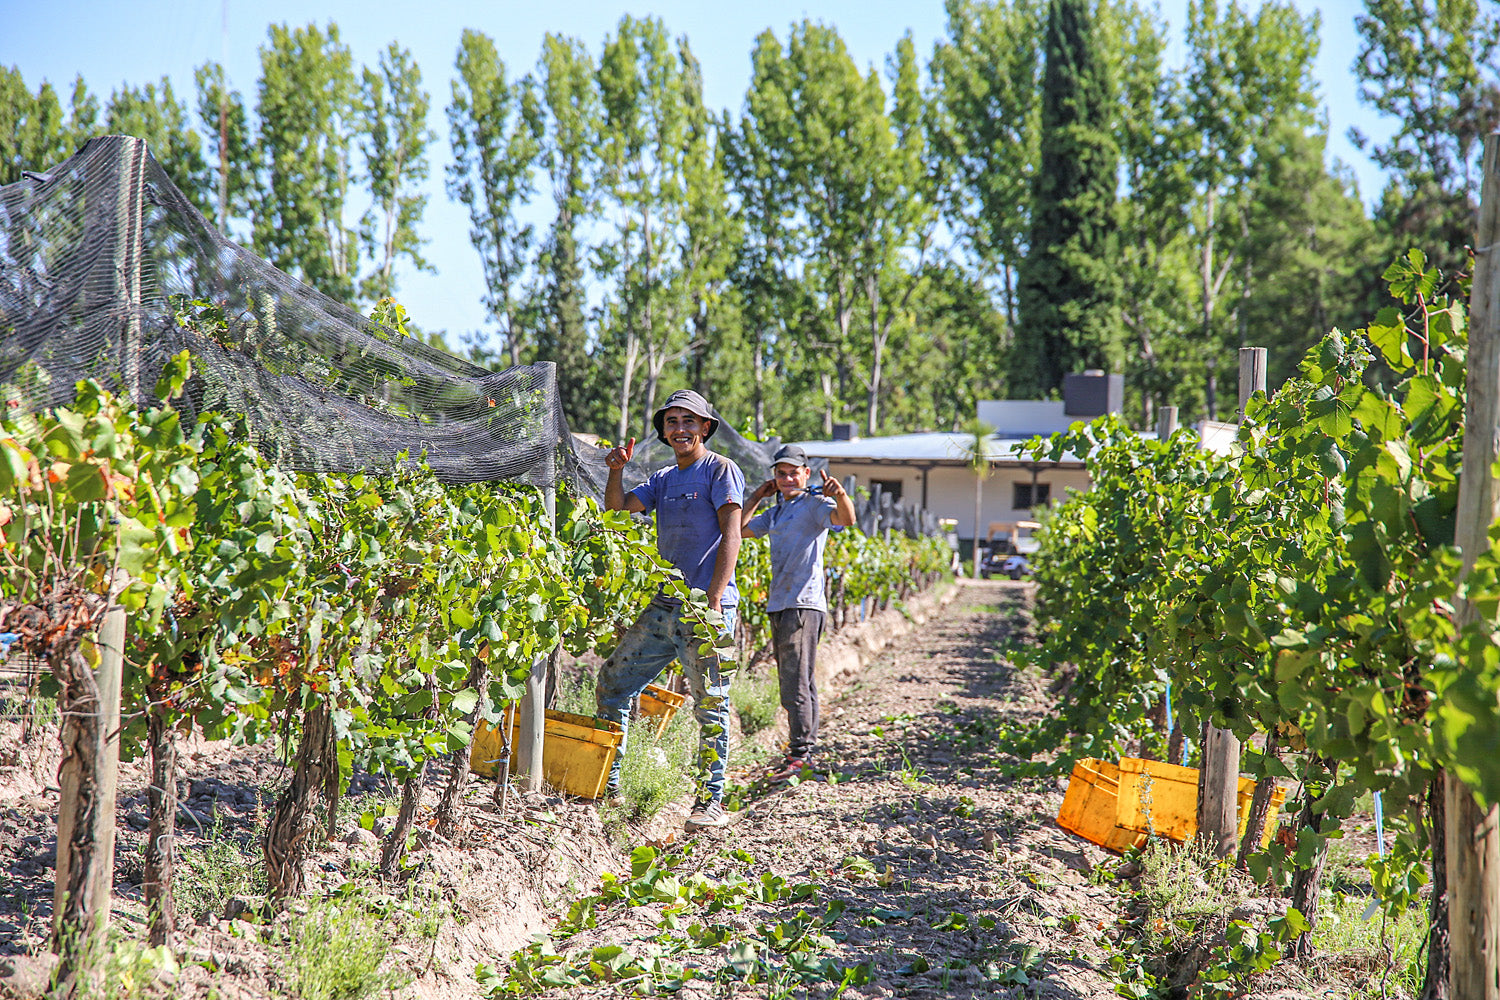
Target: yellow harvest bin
{"x": 1118, "y": 806}
{"x": 577, "y": 752}
{"x": 658, "y": 705}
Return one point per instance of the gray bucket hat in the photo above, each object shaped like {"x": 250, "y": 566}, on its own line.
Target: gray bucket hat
{"x": 689, "y": 400}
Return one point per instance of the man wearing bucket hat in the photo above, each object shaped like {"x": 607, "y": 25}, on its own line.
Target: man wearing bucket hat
{"x": 798, "y": 529}
{"x": 697, "y": 506}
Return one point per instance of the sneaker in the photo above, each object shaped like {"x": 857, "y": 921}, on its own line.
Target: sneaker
{"x": 706, "y": 815}
{"x": 613, "y": 797}
{"x": 788, "y": 769}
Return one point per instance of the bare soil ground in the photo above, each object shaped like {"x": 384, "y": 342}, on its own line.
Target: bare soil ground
{"x": 924, "y": 860}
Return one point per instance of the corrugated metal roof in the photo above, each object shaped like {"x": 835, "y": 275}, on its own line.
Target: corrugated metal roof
{"x": 937, "y": 447}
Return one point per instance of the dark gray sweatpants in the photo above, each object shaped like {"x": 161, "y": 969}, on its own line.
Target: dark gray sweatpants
{"x": 794, "y": 637}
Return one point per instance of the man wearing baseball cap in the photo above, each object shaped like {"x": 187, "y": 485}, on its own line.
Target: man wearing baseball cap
{"x": 798, "y": 529}
{"x": 697, "y": 506}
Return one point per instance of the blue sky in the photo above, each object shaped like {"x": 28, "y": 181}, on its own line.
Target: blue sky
{"x": 112, "y": 43}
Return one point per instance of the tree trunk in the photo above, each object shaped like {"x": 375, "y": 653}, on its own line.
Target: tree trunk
{"x": 447, "y": 810}
{"x": 1435, "y": 980}
{"x": 285, "y": 846}
{"x": 411, "y": 798}
{"x": 760, "y": 388}
{"x": 1260, "y": 808}
{"x": 1307, "y": 883}
{"x": 161, "y": 835}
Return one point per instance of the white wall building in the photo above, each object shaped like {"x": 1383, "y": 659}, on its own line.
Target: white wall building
{"x": 934, "y": 469}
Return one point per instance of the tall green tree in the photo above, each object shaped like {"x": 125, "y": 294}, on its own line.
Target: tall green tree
{"x": 758, "y": 160}
{"x": 394, "y": 136}
{"x": 642, "y": 147}
{"x": 495, "y": 126}
{"x": 35, "y": 131}
{"x": 154, "y": 113}
{"x": 306, "y": 106}
{"x": 1308, "y": 245}
{"x": 711, "y": 236}
{"x": 1431, "y": 67}
{"x": 1156, "y": 263}
{"x": 1068, "y": 292}
{"x": 900, "y": 224}
{"x": 570, "y": 98}
{"x": 986, "y": 109}
{"x": 226, "y": 126}
{"x": 1248, "y": 75}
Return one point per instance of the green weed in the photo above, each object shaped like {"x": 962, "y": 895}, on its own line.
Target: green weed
{"x": 656, "y": 769}
{"x": 756, "y": 699}
{"x": 209, "y": 874}
{"x": 1346, "y": 937}
{"x": 337, "y": 953}
{"x": 130, "y": 969}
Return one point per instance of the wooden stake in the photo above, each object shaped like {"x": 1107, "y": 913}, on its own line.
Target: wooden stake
{"x": 1472, "y": 835}
{"x": 534, "y": 701}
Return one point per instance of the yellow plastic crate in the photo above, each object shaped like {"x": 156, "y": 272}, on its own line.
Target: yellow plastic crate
{"x": 658, "y": 705}
{"x": 577, "y": 752}
{"x": 1118, "y": 806}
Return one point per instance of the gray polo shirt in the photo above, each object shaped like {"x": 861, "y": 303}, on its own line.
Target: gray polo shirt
{"x": 798, "y": 529}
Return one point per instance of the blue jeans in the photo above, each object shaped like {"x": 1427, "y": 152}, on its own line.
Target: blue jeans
{"x": 658, "y": 637}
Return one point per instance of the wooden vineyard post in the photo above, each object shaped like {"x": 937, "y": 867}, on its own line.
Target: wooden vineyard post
{"x": 1218, "y": 813}
{"x": 86, "y": 810}
{"x": 1471, "y": 834}
{"x": 533, "y": 709}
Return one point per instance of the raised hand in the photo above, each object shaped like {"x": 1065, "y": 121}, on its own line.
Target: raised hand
{"x": 831, "y": 486}
{"x": 619, "y": 456}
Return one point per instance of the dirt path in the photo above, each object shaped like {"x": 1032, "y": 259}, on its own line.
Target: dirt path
{"x": 952, "y": 876}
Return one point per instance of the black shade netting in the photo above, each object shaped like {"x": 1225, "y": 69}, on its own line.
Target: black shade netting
{"x": 752, "y": 457}
{"x": 107, "y": 271}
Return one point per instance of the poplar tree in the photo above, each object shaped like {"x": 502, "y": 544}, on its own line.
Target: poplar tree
{"x": 306, "y": 106}
{"x": 757, "y": 158}
{"x": 154, "y": 113}
{"x": 496, "y": 129}
{"x": 641, "y": 161}
{"x": 394, "y": 137}
{"x": 1431, "y": 66}
{"x": 230, "y": 142}
{"x": 35, "y": 131}
{"x": 712, "y": 233}
{"x": 570, "y": 100}
{"x": 986, "y": 112}
{"x": 1067, "y": 287}
{"x": 1248, "y": 76}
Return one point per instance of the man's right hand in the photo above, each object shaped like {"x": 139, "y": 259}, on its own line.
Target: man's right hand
{"x": 764, "y": 490}
{"x": 619, "y": 456}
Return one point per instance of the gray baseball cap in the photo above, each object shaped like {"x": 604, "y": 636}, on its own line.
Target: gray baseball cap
{"x": 791, "y": 454}
{"x": 689, "y": 400}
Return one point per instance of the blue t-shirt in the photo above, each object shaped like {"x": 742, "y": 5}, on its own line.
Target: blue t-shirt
{"x": 686, "y": 503}
{"x": 798, "y": 529}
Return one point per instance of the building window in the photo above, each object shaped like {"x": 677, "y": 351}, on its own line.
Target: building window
{"x": 890, "y": 487}
{"x": 1025, "y": 496}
